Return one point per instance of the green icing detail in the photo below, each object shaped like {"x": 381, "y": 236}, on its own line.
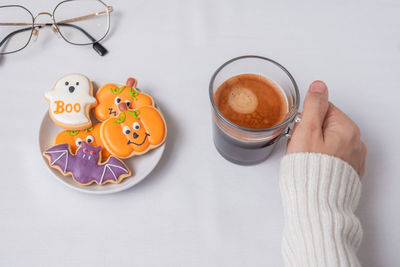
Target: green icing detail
{"x": 89, "y": 129}
{"x": 135, "y": 113}
{"x": 117, "y": 90}
{"x": 133, "y": 93}
{"x": 72, "y": 133}
{"x": 120, "y": 119}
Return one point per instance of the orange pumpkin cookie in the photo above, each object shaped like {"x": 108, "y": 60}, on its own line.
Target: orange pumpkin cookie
{"x": 75, "y": 139}
{"x": 133, "y": 132}
{"x": 110, "y": 95}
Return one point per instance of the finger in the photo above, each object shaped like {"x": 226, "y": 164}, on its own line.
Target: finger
{"x": 297, "y": 120}
{"x": 315, "y": 105}
{"x": 364, "y": 153}
{"x": 293, "y": 128}
{"x": 336, "y": 120}
{"x": 365, "y": 149}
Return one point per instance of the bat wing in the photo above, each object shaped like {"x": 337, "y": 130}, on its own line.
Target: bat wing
{"x": 113, "y": 169}
{"x": 59, "y": 155}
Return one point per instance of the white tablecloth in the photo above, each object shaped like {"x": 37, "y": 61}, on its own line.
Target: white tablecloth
{"x": 197, "y": 209}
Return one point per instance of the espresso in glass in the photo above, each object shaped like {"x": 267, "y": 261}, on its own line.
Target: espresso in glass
{"x": 251, "y": 101}
{"x": 254, "y": 101}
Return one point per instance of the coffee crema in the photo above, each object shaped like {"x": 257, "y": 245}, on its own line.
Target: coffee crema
{"x": 251, "y": 101}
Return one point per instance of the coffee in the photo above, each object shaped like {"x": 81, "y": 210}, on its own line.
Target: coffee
{"x": 251, "y": 101}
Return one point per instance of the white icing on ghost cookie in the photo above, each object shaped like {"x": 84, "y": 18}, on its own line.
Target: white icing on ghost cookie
{"x": 70, "y": 101}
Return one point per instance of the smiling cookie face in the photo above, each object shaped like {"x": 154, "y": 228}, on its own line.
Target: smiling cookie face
{"x": 70, "y": 101}
{"x": 134, "y": 132}
{"x": 76, "y": 138}
{"x": 110, "y": 95}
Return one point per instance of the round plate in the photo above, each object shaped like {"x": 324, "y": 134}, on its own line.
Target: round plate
{"x": 140, "y": 166}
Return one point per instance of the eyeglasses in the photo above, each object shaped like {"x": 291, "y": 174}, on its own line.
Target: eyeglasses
{"x": 79, "y": 22}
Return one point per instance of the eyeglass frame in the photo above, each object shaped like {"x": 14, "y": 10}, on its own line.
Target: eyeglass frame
{"x": 96, "y": 45}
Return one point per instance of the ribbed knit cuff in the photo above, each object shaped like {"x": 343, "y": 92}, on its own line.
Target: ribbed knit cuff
{"x": 320, "y": 194}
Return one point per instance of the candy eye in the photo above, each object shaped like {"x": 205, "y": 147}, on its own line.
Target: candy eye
{"x": 117, "y": 100}
{"x": 126, "y": 130}
{"x": 67, "y": 83}
{"x": 128, "y": 103}
{"x": 136, "y": 126}
{"x": 78, "y": 142}
{"x": 77, "y": 83}
{"x": 89, "y": 139}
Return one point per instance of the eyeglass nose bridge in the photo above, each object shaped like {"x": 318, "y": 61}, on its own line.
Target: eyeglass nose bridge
{"x": 43, "y": 13}
{"x": 53, "y": 25}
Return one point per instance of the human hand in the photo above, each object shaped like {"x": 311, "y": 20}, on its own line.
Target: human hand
{"x": 326, "y": 129}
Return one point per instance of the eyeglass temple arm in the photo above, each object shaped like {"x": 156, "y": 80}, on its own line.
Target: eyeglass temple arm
{"x": 11, "y": 34}
{"x": 109, "y": 10}
{"x": 101, "y": 50}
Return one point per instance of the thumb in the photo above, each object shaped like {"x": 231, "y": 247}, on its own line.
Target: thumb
{"x": 315, "y": 105}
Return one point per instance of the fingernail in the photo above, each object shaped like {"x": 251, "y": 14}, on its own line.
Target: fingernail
{"x": 318, "y": 87}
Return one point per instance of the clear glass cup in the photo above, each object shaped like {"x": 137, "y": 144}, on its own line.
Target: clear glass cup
{"x": 246, "y": 146}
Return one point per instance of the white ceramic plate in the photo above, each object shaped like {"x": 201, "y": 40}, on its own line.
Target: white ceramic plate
{"x": 140, "y": 166}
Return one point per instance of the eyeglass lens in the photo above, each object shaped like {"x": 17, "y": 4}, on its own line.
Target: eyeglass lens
{"x": 15, "y": 28}
{"x": 82, "y": 21}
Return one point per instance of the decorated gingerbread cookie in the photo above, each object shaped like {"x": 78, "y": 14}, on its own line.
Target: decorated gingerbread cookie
{"x": 70, "y": 101}
{"x": 110, "y": 95}
{"x": 133, "y": 132}
{"x": 85, "y": 166}
{"x": 75, "y": 139}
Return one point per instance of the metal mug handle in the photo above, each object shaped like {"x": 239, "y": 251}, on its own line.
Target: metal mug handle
{"x": 289, "y": 131}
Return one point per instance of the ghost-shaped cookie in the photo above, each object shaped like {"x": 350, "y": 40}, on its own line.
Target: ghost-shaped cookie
{"x": 70, "y": 101}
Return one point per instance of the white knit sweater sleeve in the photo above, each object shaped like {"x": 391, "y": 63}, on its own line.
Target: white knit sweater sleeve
{"x": 320, "y": 194}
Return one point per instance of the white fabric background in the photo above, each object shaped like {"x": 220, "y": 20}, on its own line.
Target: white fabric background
{"x": 196, "y": 209}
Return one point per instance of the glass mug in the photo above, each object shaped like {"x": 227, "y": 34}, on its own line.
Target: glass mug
{"x": 247, "y": 146}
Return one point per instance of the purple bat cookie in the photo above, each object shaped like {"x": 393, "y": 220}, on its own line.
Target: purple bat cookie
{"x": 85, "y": 166}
